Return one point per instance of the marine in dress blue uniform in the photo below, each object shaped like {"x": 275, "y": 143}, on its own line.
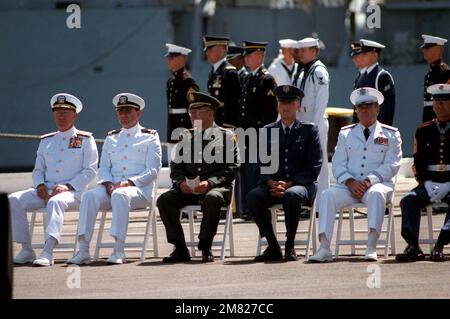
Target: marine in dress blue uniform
{"x": 432, "y": 164}
{"x": 295, "y": 181}
{"x": 374, "y": 76}
{"x": 432, "y": 50}
{"x": 367, "y": 158}
{"x": 129, "y": 166}
{"x": 66, "y": 162}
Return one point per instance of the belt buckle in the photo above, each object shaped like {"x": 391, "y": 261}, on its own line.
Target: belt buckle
{"x": 441, "y": 167}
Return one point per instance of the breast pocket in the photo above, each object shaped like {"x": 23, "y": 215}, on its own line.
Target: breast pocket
{"x": 378, "y": 152}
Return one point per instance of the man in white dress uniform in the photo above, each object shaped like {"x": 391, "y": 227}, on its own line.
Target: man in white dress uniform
{"x": 282, "y": 67}
{"x": 66, "y": 162}
{"x": 366, "y": 159}
{"x": 314, "y": 81}
{"x": 129, "y": 165}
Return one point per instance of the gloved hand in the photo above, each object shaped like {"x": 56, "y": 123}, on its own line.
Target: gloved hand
{"x": 440, "y": 191}
{"x": 429, "y": 186}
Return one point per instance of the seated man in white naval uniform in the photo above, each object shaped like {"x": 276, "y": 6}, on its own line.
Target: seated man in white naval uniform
{"x": 366, "y": 159}
{"x": 66, "y": 162}
{"x": 129, "y": 165}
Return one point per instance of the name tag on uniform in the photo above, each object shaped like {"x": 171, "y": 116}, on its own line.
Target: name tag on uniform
{"x": 381, "y": 140}
{"x": 75, "y": 142}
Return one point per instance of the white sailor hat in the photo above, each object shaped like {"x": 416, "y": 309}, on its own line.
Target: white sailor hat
{"x": 307, "y": 43}
{"x": 440, "y": 92}
{"x": 67, "y": 101}
{"x": 128, "y": 100}
{"x": 431, "y": 41}
{"x": 173, "y": 50}
{"x": 366, "y": 95}
{"x": 287, "y": 43}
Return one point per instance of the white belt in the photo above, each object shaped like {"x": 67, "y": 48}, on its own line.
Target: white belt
{"x": 427, "y": 103}
{"x": 177, "y": 111}
{"x": 439, "y": 168}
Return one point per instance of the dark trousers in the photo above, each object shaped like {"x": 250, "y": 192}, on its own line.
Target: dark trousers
{"x": 247, "y": 182}
{"x": 260, "y": 199}
{"x": 170, "y": 203}
{"x": 411, "y": 206}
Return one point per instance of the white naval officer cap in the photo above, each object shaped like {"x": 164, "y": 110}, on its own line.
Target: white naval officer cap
{"x": 430, "y": 41}
{"x": 307, "y": 43}
{"x": 67, "y": 101}
{"x": 371, "y": 44}
{"x": 174, "y": 50}
{"x": 287, "y": 43}
{"x": 128, "y": 100}
{"x": 440, "y": 92}
{"x": 366, "y": 95}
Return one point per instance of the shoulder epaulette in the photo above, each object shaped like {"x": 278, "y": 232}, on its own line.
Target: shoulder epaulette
{"x": 389, "y": 127}
{"x": 84, "y": 133}
{"x": 230, "y": 67}
{"x": 348, "y": 126}
{"x": 443, "y": 66}
{"x": 112, "y": 132}
{"x": 48, "y": 135}
{"x": 148, "y": 131}
{"x": 428, "y": 123}
{"x": 264, "y": 71}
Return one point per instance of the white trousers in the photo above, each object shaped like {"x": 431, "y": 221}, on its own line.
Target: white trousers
{"x": 122, "y": 200}
{"x": 338, "y": 197}
{"x": 23, "y": 201}
{"x": 323, "y": 182}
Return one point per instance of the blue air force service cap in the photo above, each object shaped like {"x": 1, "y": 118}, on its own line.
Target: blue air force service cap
{"x": 366, "y": 95}
{"x": 66, "y": 101}
{"x": 287, "y": 93}
{"x": 128, "y": 100}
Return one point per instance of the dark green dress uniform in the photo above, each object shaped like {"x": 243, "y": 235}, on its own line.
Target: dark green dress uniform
{"x": 438, "y": 73}
{"x": 223, "y": 84}
{"x": 220, "y": 170}
{"x": 178, "y": 86}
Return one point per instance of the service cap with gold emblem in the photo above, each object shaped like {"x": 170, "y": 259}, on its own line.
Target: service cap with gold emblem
{"x": 366, "y": 95}
{"x": 252, "y": 46}
{"x": 128, "y": 100}
{"x": 210, "y": 41}
{"x": 199, "y": 99}
{"x": 440, "y": 92}
{"x": 66, "y": 101}
{"x": 288, "y": 93}
{"x": 365, "y": 46}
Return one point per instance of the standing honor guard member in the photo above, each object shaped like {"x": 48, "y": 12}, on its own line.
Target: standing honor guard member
{"x": 66, "y": 162}
{"x": 295, "y": 182}
{"x": 178, "y": 86}
{"x": 432, "y": 164}
{"x": 366, "y": 54}
{"x": 432, "y": 50}
{"x": 314, "y": 81}
{"x": 283, "y": 66}
{"x": 259, "y": 108}
{"x": 214, "y": 178}
{"x": 223, "y": 81}
{"x": 367, "y": 157}
{"x": 129, "y": 166}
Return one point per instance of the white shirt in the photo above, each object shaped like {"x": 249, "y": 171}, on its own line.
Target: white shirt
{"x": 279, "y": 73}
{"x": 68, "y": 157}
{"x": 131, "y": 154}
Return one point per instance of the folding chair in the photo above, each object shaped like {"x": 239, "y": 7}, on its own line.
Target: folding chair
{"x": 390, "y": 233}
{"x": 150, "y": 230}
{"x": 431, "y": 231}
{"x": 227, "y": 234}
{"x": 275, "y": 212}
{"x": 62, "y": 246}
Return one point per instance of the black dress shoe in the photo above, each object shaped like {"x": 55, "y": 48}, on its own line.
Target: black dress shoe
{"x": 179, "y": 255}
{"x": 438, "y": 253}
{"x": 269, "y": 255}
{"x": 411, "y": 253}
{"x": 290, "y": 255}
{"x": 207, "y": 256}
{"x": 245, "y": 215}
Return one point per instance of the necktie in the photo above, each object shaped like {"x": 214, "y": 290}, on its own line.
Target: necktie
{"x": 366, "y": 133}
{"x": 287, "y": 130}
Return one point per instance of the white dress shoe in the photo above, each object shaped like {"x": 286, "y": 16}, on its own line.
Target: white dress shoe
{"x": 25, "y": 256}
{"x": 80, "y": 258}
{"x": 44, "y": 259}
{"x": 322, "y": 255}
{"x": 371, "y": 254}
{"x": 116, "y": 258}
